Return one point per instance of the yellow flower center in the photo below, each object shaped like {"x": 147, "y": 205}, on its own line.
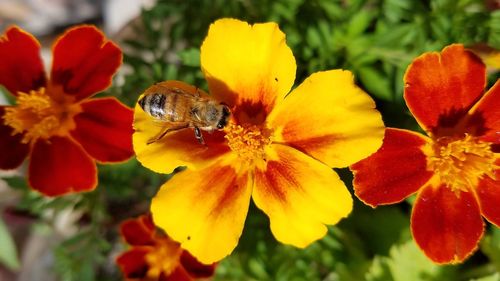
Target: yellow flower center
{"x": 164, "y": 258}
{"x": 38, "y": 115}
{"x": 461, "y": 162}
{"x": 248, "y": 141}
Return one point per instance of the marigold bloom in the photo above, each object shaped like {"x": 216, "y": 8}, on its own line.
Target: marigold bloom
{"x": 155, "y": 256}
{"x": 54, "y": 121}
{"x": 278, "y": 151}
{"x": 455, "y": 169}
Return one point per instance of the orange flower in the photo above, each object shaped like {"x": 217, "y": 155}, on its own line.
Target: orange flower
{"x": 455, "y": 169}
{"x": 154, "y": 256}
{"x": 54, "y": 121}
{"x": 278, "y": 151}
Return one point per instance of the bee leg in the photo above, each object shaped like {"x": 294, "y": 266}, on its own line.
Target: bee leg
{"x": 198, "y": 135}
{"x": 165, "y": 131}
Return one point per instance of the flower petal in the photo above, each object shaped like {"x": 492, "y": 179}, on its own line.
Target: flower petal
{"x": 204, "y": 210}
{"x": 300, "y": 195}
{"x": 394, "y": 172}
{"x": 485, "y": 115}
{"x": 451, "y": 82}
{"x": 21, "y": 67}
{"x": 59, "y": 166}
{"x": 133, "y": 262}
{"x": 177, "y": 148}
{"x": 489, "y": 197}
{"x": 84, "y": 61}
{"x": 247, "y": 64}
{"x": 446, "y": 225}
{"x": 195, "y": 268}
{"x": 13, "y": 151}
{"x": 329, "y": 118}
{"x": 104, "y": 129}
{"x": 139, "y": 231}
{"x": 179, "y": 274}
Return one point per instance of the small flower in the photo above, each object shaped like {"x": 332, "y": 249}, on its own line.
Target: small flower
{"x": 455, "y": 169}
{"x": 54, "y": 121}
{"x": 277, "y": 150}
{"x": 154, "y": 256}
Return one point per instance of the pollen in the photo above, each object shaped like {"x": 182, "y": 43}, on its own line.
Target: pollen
{"x": 163, "y": 258}
{"x": 461, "y": 162}
{"x": 248, "y": 141}
{"x": 36, "y": 115}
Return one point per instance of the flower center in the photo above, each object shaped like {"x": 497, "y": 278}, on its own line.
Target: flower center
{"x": 248, "y": 141}
{"x": 37, "y": 115}
{"x": 461, "y": 163}
{"x": 164, "y": 258}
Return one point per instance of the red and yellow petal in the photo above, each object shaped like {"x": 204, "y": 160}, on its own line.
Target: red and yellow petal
{"x": 249, "y": 65}
{"x": 300, "y": 195}
{"x": 84, "y": 61}
{"x": 195, "y": 268}
{"x": 21, "y": 67}
{"x": 446, "y": 225}
{"x": 13, "y": 152}
{"x": 179, "y": 274}
{"x": 204, "y": 210}
{"x": 133, "y": 262}
{"x": 180, "y": 148}
{"x": 59, "y": 166}
{"x": 329, "y": 118}
{"x": 397, "y": 170}
{"x": 104, "y": 129}
{"x": 489, "y": 196}
{"x": 139, "y": 231}
{"x": 442, "y": 87}
{"x": 484, "y": 117}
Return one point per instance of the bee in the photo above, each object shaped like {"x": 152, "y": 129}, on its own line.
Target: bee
{"x": 177, "y": 109}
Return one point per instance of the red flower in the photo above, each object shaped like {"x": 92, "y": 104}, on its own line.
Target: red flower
{"x": 54, "y": 121}
{"x": 455, "y": 169}
{"x": 154, "y": 256}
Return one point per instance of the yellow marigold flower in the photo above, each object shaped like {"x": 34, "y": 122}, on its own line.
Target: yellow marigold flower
{"x": 278, "y": 148}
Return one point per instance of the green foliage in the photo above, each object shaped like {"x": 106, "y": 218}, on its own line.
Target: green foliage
{"x": 8, "y": 253}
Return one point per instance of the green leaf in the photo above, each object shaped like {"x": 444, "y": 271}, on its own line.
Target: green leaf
{"x": 492, "y": 277}
{"x": 359, "y": 23}
{"x": 190, "y": 57}
{"x": 407, "y": 263}
{"x": 375, "y": 82}
{"x": 8, "y": 252}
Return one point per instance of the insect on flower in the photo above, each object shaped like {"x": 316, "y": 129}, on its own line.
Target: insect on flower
{"x": 176, "y": 109}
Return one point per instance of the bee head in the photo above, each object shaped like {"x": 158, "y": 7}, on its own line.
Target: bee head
{"x": 224, "y": 116}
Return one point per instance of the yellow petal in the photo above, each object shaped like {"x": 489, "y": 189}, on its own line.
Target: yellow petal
{"x": 204, "y": 210}
{"x": 329, "y": 118}
{"x": 177, "y": 148}
{"x": 300, "y": 195}
{"x": 251, "y": 63}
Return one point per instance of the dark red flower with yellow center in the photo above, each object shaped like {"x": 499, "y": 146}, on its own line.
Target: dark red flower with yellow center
{"x": 54, "y": 121}
{"x": 455, "y": 169}
{"x": 155, "y": 256}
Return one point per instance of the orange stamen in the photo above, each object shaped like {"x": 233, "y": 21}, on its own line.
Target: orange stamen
{"x": 248, "y": 141}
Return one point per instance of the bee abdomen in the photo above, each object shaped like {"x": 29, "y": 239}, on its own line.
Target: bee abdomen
{"x": 154, "y": 105}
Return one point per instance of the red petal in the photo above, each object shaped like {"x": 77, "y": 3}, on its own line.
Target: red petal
{"x": 394, "y": 172}
{"x": 133, "y": 262}
{"x": 104, "y": 129}
{"x": 441, "y": 88}
{"x": 21, "y": 68}
{"x": 84, "y": 61}
{"x": 59, "y": 166}
{"x": 489, "y": 197}
{"x": 195, "y": 268}
{"x": 139, "y": 231}
{"x": 13, "y": 152}
{"x": 485, "y": 116}
{"x": 447, "y": 226}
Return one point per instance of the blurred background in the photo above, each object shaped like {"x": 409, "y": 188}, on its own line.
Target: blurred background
{"x": 75, "y": 237}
